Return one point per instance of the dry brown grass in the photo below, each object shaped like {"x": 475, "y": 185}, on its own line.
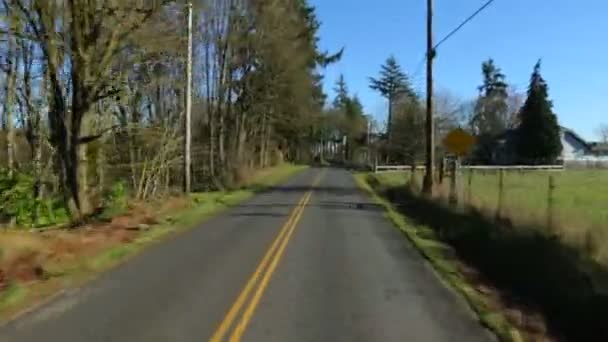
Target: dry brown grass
{"x": 29, "y": 256}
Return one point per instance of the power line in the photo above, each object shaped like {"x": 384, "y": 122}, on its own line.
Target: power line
{"x": 464, "y": 23}
{"x": 418, "y": 68}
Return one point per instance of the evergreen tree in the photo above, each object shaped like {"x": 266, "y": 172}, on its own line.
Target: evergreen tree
{"x": 408, "y": 139}
{"x": 491, "y": 113}
{"x": 391, "y": 84}
{"x": 539, "y": 133}
{"x": 341, "y": 90}
{"x": 491, "y": 109}
{"x": 355, "y": 126}
{"x": 347, "y": 119}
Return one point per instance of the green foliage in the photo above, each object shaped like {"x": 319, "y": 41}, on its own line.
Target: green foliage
{"x": 407, "y": 144}
{"x": 539, "y": 133}
{"x": 392, "y": 82}
{"x": 115, "y": 200}
{"x": 16, "y": 196}
{"x": 491, "y": 109}
{"x": 341, "y": 90}
{"x": 18, "y": 203}
{"x": 491, "y": 114}
{"x": 346, "y": 119}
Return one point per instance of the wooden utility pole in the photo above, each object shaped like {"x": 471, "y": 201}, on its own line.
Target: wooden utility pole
{"x": 188, "y": 118}
{"x": 430, "y": 129}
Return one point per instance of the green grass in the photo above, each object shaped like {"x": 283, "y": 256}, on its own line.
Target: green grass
{"x": 579, "y": 194}
{"x": 579, "y": 216}
{"x": 440, "y": 255}
{"x": 582, "y": 193}
{"x": 12, "y": 295}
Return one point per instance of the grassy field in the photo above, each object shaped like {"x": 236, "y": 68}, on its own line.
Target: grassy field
{"x": 35, "y": 265}
{"x": 580, "y": 200}
{"x": 580, "y": 195}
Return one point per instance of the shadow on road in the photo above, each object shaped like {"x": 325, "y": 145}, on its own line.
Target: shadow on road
{"x": 264, "y": 210}
{"x": 331, "y": 190}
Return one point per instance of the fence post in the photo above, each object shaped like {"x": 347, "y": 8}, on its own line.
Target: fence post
{"x": 501, "y": 193}
{"x": 470, "y": 186}
{"x": 550, "y": 203}
{"x": 441, "y": 170}
{"x": 376, "y": 162}
{"x": 412, "y": 182}
{"x": 453, "y": 198}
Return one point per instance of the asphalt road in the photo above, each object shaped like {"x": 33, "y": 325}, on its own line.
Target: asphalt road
{"x": 339, "y": 271}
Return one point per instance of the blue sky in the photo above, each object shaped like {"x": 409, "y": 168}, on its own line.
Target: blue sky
{"x": 570, "y": 36}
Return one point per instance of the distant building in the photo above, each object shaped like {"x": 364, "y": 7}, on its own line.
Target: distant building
{"x": 574, "y": 147}
{"x": 576, "y": 150}
{"x": 599, "y": 149}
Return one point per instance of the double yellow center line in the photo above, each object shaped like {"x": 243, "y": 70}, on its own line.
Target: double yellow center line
{"x": 261, "y": 277}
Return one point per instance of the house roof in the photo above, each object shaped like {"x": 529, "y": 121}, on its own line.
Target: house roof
{"x": 511, "y": 135}
{"x": 575, "y": 136}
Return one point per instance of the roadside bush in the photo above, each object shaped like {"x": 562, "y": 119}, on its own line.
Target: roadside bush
{"x": 16, "y": 197}
{"x": 115, "y": 200}
{"x": 18, "y": 204}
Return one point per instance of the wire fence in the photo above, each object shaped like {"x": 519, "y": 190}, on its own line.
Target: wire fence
{"x": 568, "y": 203}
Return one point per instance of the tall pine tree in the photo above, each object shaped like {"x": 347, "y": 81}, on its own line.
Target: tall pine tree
{"x": 391, "y": 84}
{"x": 539, "y": 133}
{"x": 491, "y": 111}
{"x": 341, "y": 90}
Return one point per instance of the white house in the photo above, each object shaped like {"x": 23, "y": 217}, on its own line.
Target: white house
{"x": 576, "y": 150}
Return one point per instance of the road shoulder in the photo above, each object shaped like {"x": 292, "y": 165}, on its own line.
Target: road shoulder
{"x": 445, "y": 265}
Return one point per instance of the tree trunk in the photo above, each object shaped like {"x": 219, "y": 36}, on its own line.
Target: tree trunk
{"x": 263, "y": 142}
{"x": 221, "y": 140}
{"x": 101, "y": 174}
{"x": 241, "y": 138}
{"x": 74, "y": 156}
{"x": 9, "y": 104}
{"x": 101, "y": 155}
{"x": 210, "y": 116}
{"x": 389, "y": 124}
{"x": 37, "y": 157}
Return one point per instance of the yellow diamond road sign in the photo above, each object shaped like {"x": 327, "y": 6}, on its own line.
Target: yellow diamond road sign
{"x": 459, "y": 142}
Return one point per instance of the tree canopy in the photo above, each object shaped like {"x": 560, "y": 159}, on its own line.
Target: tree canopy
{"x": 100, "y": 92}
{"x": 539, "y": 138}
